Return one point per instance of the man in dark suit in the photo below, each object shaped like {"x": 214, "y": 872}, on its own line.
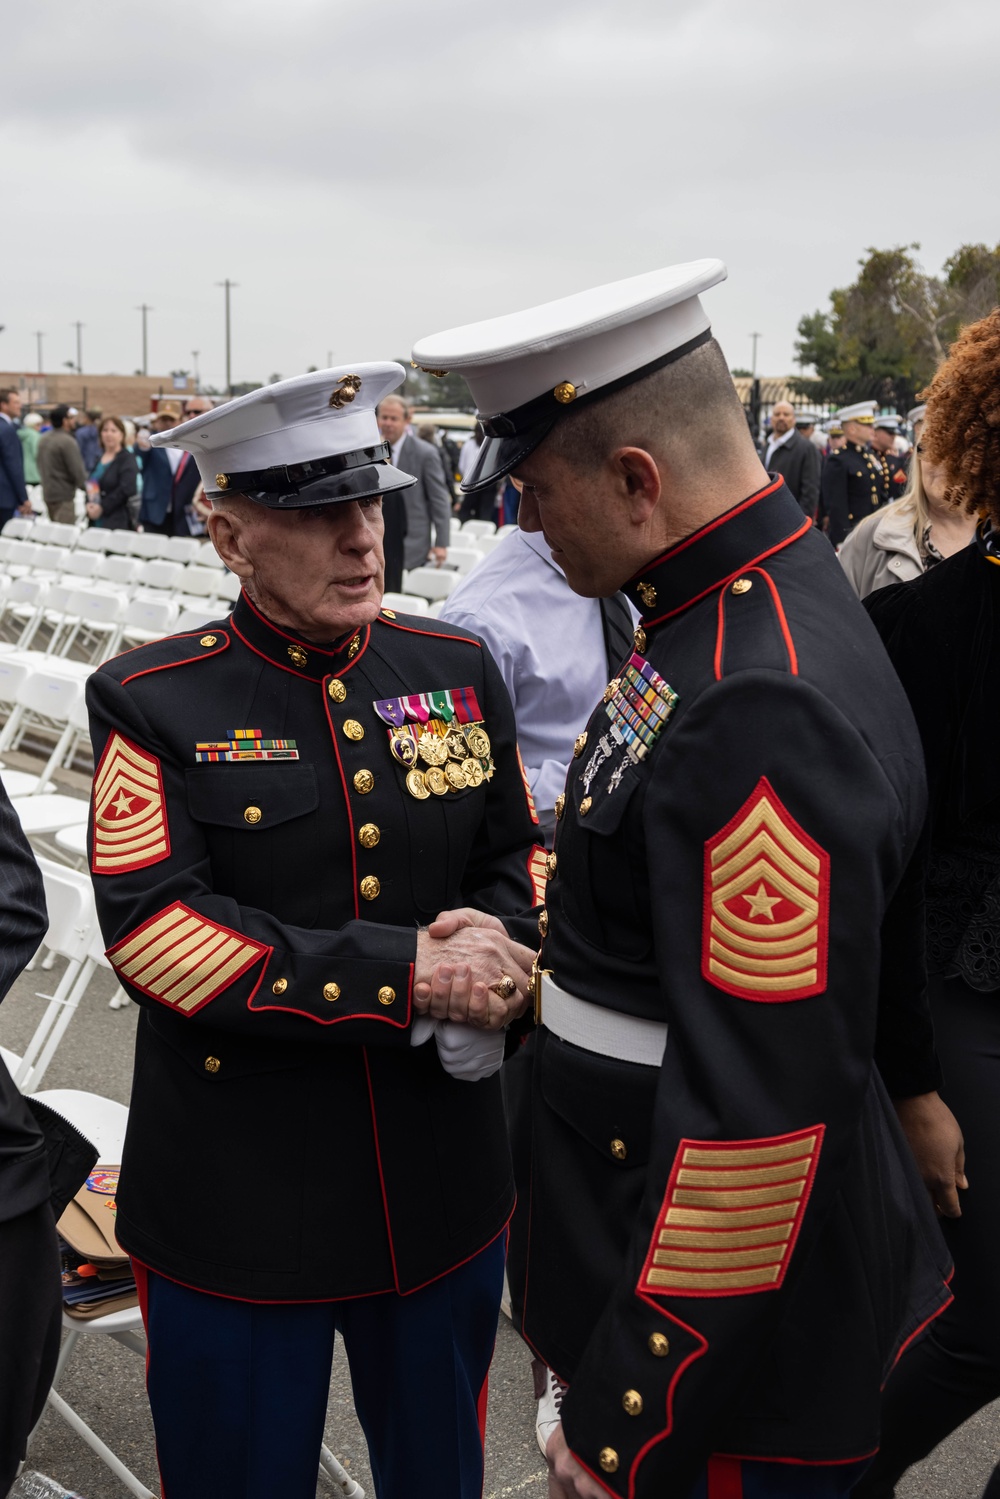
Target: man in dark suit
{"x": 13, "y": 494}
{"x": 157, "y": 477}
{"x": 30, "y": 1302}
{"x": 172, "y": 504}
{"x": 794, "y": 457}
{"x": 428, "y": 507}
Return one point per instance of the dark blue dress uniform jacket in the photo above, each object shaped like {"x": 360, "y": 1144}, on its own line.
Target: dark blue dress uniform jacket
{"x": 727, "y": 1253}
{"x": 853, "y": 484}
{"x": 285, "y": 1142}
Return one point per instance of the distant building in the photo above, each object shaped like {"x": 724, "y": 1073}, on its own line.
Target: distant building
{"x": 122, "y": 395}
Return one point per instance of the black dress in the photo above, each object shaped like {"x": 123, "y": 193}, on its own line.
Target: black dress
{"x": 942, "y": 632}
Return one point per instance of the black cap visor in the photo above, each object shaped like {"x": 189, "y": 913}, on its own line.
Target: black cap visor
{"x": 360, "y": 475}
{"x": 498, "y": 455}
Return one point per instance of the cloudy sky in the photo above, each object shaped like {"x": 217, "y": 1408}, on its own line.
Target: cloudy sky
{"x": 373, "y": 171}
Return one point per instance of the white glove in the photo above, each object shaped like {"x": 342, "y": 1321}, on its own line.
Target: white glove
{"x": 467, "y": 1052}
{"x": 422, "y": 1029}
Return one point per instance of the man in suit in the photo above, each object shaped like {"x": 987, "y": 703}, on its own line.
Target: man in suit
{"x": 791, "y": 454}
{"x": 428, "y": 508}
{"x": 157, "y": 477}
{"x": 184, "y": 480}
{"x": 13, "y": 494}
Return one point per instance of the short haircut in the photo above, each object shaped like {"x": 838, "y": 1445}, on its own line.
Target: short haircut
{"x": 94, "y": 413}
{"x": 58, "y": 415}
{"x": 665, "y": 411}
{"x": 400, "y": 401}
{"x": 6, "y": 394}
{"x": 115, "y": 421}
{"x": 962, "y": 427}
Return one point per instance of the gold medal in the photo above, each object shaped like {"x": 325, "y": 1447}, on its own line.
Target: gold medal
{"x": 436, "y": 780}
{"x": 417, "y": 786}
{"x": 431, "y": 749}
{"x": 478, "y": 741}
{"x": 457, "y": 747}
{"x": 456, "y": 776}
{"x": 402, "y": 747}
{"x": 473, "y": 772}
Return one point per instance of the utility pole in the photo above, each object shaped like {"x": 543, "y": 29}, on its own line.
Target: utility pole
{"x": 197, "y": 378}
{"x": 39, "y": 337}
{"x": 144, "y": 309}
{"x": 755, "y": 337}
{"x": 79, "y": 346}
{"x": 229, "y": 286}
{"x": 329, "y": 358}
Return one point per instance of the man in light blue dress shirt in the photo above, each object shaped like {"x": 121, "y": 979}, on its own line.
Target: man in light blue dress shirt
{"x": 555, "y": 649}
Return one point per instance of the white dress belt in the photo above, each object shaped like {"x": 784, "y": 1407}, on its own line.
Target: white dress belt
{"x": 609, "y": 1033}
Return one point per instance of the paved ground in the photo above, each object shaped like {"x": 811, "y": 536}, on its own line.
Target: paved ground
{"x": 104, "y": 1381}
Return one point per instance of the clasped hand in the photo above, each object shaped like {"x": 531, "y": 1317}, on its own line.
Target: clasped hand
{"x": 460, "y": 957}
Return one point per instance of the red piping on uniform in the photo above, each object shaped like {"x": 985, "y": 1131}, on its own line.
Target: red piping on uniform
{"x": 693, "y": 1356}
{"x": 793, "y": 660}
{"x": 800, "y": 1462}
{"x": 305, "y": 645}
{"x": 140, "y": 1277}
{"x": 382, "y": 1018}
{"x": 720, "y": 634}
{"x": 926, "y": 1323}
{"x": 293, "y": 671}
{"x": 347, "y": 802}
{"x": 795, "y": 536}
{"x": 713, "y": 525}
{"x": 253, "y": 1300}
{"x": 725, "y": 1478}
{"x": 187, "y": 660}
{"x": 378, "y": 1162}
{"x": 433, "y": 634}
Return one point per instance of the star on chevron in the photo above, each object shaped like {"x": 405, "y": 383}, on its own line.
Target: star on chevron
{"x": 762, "y": 904}
{"x": 123, "y": 803}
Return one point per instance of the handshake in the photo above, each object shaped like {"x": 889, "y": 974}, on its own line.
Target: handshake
{"x": 470, "y": 981}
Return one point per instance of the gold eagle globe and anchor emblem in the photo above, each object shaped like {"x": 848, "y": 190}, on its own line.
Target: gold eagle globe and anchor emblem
{"x": 347, "y": 388}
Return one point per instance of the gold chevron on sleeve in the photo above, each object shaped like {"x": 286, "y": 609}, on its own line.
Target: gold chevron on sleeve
{"x": 130, "y": 815}
{"x": 183, "y": 959}
{"x": 732, "y": 1230}
{"x": 767, "y": 890}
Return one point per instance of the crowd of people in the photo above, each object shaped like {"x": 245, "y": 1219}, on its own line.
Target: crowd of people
{"x": 633, "y": 924}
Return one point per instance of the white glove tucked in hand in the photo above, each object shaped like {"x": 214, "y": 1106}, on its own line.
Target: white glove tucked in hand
{"x": 463, "y": 1050}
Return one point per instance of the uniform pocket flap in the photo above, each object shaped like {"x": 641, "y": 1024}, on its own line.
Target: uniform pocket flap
{"x": 608, "y": 801}
{"x": 606, "y": 1101}
{"x": 251, "y": 796}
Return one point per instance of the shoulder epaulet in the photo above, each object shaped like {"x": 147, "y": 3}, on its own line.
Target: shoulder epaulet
{"x": 753, "y": 631}
{"x": 171, "y": 650}
{"x": 426, "y": 624}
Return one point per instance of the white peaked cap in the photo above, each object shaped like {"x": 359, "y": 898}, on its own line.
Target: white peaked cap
{"x": 526, "y": 369}
{"x": 310, "y": 440}
{"x": 861, "y": 411}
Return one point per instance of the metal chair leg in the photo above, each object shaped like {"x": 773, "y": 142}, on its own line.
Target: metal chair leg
{"x": 348, "y": 1486}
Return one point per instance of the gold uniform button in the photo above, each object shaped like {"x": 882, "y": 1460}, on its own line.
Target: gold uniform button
{"x": 658, "y": 1345}
{"x": 639, "y": 639}
{"x": 279, "y": 986}
{"x": 369, "y": 835}
{"x": 208, "y": 640}
{"x": 363, "y": 782}
{"x": 560, "y": 805}
{"x": 550, "y": 865}
{"x": 619, "y": 1149}
{"x": 252, "y": 815}
{"x": 579, "y": 745}
{"x": 331, "y": 991}
{"x": 386, "y": 996}
{"x": 212, "y": 1064}
{"x": 742, "y": 585}
{"x": 632, "y": 1403}
{"x": 337, "y": 690}
{"x": 565, "y": 392}
{"x": 608, "y": 1459}
{"x": 353, "y": 729}
{"x": 543, "y": 923}
{"x": 370, "y": 887}
{"x": 389, "y": 613}
{"x": 586, "y": 805}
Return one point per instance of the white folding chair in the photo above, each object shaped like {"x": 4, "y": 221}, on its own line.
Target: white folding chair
{"x": 96, "y": 614}
{"x": 478, "y": 528}
{"x": 118, "y": 541}
{"x": 196, "y": 618}
{"x": 123, "y": 572}
{"x": 147, "y": 619}
{"x": 227, "y": 587}
{"x": 182, "y": 549}
{"x": 48, "y": 812}
{"x": 430, "y": 582}
{"x": 463, "y": 559}
{"x": 147, "y": 544}
{"x": 159, "y": 574}
{"x": 17, "y": 528}
{"x": 82, "y": 564}
{"x": 405, "y": 603}
{"x": 208, "y": 556}
{"x": 77, "y": 724}
{"x": 62, "y": 534}
{"x": 201, "y": 582}
{"x": 41, "y": 695}
{"x": 93, "y": 539}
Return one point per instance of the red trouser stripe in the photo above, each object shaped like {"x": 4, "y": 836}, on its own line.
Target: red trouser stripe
{"x": 725, "y": 1478}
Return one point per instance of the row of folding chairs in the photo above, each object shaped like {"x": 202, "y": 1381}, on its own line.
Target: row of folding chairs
{"x": 95, "y": 538}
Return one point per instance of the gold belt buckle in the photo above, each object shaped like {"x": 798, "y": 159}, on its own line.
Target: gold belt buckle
{"x": 535, "y": 988}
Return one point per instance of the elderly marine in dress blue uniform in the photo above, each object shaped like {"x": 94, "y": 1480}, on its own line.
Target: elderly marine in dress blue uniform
{"x": 723, "y": 1242}
{"x": 283, "y": 802}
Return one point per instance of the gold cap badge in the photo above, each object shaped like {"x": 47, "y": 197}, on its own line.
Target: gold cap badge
{"x": 347, "y": 388}
{"x": 222, "y": 481}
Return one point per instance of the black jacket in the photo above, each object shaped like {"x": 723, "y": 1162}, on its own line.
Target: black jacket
{"x": 118, "y": 484}
{"x": 285, "y": 1141}
{"x": 12, "y": 490}
{"x": 853, "y": 483}
{"x": 798, "y": 461}
{"x": 727, "y": 1253}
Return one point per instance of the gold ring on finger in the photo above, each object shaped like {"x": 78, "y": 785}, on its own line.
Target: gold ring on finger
{"x": 504, "y": 986}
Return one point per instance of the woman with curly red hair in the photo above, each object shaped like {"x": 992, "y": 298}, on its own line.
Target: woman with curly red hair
{"x": 942, "y": 631}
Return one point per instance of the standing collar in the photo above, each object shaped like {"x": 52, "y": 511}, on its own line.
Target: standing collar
{"x": 299, "y": 657}
{"x": 755, "y": 528}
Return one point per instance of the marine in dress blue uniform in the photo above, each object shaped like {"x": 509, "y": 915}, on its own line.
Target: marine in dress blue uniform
{"x": 725, "y": 1242}
{"x": 854, "y": 481}
{"x": 272, "y": 821}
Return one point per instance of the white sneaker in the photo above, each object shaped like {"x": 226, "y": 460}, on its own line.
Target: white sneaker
{"x": 549, "y": 1392}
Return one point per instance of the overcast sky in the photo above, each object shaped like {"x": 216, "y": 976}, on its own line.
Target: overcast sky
{"x": 374, "y": 171}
